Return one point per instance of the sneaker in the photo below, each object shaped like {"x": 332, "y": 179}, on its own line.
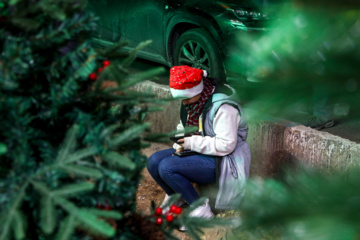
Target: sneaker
{"x": 180, "y": 202}
{"x": 318, "y": 122}
{"x": 203, "y": 211}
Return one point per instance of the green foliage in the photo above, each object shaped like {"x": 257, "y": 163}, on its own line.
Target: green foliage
{"x": 312, "y": 45}
{"x": 307, "y": 204}
{"x": 309, "y": 47}
{"x": 69, "y": 144}
{"x": 196, "y": 226}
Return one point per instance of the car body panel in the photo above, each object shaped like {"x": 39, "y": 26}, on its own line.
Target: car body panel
{"x": 163, "y": 21}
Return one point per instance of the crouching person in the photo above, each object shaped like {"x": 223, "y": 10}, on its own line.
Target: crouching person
{"x": 221, "y": 135}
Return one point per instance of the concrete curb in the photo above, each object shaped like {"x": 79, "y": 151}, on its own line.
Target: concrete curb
{"x": 321, "y": 149}
{"x": 273, "y": 142}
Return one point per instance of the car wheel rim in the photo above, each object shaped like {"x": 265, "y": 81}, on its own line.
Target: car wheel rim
{"x": 194, "y": 55}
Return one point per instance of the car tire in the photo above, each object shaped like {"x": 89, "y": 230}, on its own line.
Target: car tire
{"x": 197, "y": 48}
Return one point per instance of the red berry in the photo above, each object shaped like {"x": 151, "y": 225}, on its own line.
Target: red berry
{"x": 107, "y": 207}
{"x": 172, "y": 208}
{"x": 159, "y": 221}
{"x": 106, "y": 63}
{"x": 100, "y": 70}
{"x": 158, "y": 211}
{"x": 169, "y": 218}
{"x": 92, "y": 76}
{"x": 178, "y": 210}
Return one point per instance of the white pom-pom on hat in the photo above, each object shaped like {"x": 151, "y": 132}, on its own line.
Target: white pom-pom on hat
{"x": 205, "y": 74}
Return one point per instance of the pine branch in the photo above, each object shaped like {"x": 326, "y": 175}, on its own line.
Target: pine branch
{"x": 82, "y": 61}
{"x": 81, "y": 171}
{"x": 80, "y": 154}
{"x": 73, "y": 189}
{"x": 85, "y": 219}
{"x": 41, "y": 188}
{"x": 69, "y": 158}
{"x": 319, "y": 203}
{"x": 68, "y": 89}
{"x": 117, "y": 160}
{"x": 129, "y": 134}
{"x": 67, "y": 228}
{"x": 113, "y": 50}
{"x": 195, "y": 225}
{"x": 68, "y": 144}
{"x": 19, "y": 225}
{"x": 44, "y": 71}
{"x": 140, "y": 77}
{"x": 106, "y": 214}
{"x": 109, "y": 130}
{"x": 47, "y": 214}
{"x": 94, "y": 225}
{"x": 52, "y": 10}
{"x": 26, "y": 23}
{"x": 132, "y": 55}
{"x": 9, "y": 215}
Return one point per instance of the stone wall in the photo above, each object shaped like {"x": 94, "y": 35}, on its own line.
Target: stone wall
{"x": 273, "y": 142}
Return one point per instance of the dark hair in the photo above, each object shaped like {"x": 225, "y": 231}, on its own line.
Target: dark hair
{"x": 220, "y": 87}
{"x": 214, "y": 81}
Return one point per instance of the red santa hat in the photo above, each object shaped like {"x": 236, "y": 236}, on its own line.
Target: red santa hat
{"x": 186, "y": 82}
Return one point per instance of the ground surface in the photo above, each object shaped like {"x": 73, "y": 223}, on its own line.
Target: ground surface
{"x": 148, "y": 191}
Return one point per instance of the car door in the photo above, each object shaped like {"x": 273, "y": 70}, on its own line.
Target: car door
{"x": 109, "y": 12}
{"x": 143, "y": 20}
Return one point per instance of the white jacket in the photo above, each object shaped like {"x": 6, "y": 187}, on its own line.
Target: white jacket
{"x": 226, "y": 123}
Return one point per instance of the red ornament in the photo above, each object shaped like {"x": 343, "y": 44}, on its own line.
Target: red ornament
{"x": 178, "y": 210}
{"x": 158, "y": 211}
{"x": 107, "y": 207}
{"x": 106, "y": 63}
{"x": 159, "y": 221}
{"x": 169, "y": 218}
{"x": 172, "y": 208}
{"x": 100, "y": 70}
{"x": 92, "y": 76}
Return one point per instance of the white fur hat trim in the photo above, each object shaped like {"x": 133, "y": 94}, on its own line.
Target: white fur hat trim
{"x": 187, "y": 93}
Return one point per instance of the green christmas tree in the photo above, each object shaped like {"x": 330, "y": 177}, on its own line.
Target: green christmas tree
{"x": 310, "y": 45}
{"x": 313, "y": 44}
{"x": 71, "y": 129}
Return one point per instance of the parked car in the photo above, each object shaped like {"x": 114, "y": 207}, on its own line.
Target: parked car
{"x": 197, "y": 33}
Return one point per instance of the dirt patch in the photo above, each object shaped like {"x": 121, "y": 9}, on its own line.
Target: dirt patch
{"x": 149, "y": 190}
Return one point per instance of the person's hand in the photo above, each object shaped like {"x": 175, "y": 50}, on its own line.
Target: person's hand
{"x": 179, "y": 150}
{"x": 181, "y": 141}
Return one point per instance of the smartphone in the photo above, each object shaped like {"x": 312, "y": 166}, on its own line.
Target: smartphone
{"x": 185, "y": 153}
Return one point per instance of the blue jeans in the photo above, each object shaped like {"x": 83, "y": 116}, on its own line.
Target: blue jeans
{"x": 176, "y": 174}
